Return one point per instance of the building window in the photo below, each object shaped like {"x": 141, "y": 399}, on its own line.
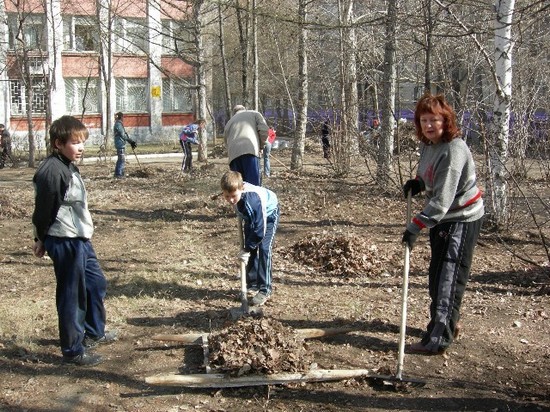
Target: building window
{"x": 131, "y": 95}
{"x": 176, "y": 96}
{"x": 81, "y": 95}
{"x": 175, "y": 39}
{"x": 19, "y": 96}
{"x": 131, "y": 36}
{"x": 80, "y": 34}
{"x": 26, "y": 31}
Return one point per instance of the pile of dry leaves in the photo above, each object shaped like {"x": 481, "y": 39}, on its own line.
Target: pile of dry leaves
{"x": 257, "y": 345}
{"x": 340, "y": 255}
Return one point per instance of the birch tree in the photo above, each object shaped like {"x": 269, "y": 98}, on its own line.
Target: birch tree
{"x": 199, "y": 14}
{"x": 225, "y": 69}
{"x": 344, "y": 141}
{"x": 303, "y": 97}
{"x": 388, "y": 98}
{"x": 498, "y": 152}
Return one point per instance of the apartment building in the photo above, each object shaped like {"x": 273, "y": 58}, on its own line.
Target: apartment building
{"x": 91, "y": 59}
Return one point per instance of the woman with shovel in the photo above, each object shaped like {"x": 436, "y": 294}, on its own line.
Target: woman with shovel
{"x": 453, "y": 213}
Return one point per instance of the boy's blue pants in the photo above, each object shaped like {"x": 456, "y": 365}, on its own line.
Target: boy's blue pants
{"x": 258, "y": 270}
{"x": 81, "y": 289}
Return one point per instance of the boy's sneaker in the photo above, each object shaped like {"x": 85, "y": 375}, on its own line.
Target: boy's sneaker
{"x": 84, "y": 359}
{"x": 260, "y": 298}
{"x": 109, "y": 337}
{"x": 251, "y": 290}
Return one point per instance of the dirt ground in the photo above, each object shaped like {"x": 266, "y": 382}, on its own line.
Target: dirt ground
{"x": 167, "y": 244}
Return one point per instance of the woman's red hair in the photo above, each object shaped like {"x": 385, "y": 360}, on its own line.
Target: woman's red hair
{"x": 436, "y": 105}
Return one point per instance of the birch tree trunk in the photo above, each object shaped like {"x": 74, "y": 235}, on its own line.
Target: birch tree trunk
{"x": 242, "y": 22}
{"x": 226, "y": 84}
{"x": 388, "y": 122}
{"x": 106, "y": 22}
{"x": 498, "y": 151}
{"x": 303, "y": 97}
{"x": 201, "y": 75}
{"x": 255, "y": 63}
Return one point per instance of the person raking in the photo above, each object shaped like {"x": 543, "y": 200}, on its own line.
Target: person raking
{"x": 453, "y": 213}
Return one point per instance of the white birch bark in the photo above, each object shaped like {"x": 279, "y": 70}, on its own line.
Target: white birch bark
{"x": 388, "y": 122}
{"x": 303, "y": 97}
{"x": 198, "y": 14}
{"x": 54, "y": 40}
{"x": 498, "y": 152}
{"x": 5, "y": 112}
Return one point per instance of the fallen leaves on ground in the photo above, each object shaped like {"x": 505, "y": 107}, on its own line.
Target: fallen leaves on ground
{"x": 257, "y": 345}
{"x": 340, "y": 255}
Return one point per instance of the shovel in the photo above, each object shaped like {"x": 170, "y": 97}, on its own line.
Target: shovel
{"x": 398, "y": 378}
{"x": 139, "y": 164}
{"x": 244, "y": 310}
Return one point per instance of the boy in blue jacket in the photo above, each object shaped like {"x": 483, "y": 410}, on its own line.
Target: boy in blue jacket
{"x": 259, "y": 209}
{"x": 63, "y": 228}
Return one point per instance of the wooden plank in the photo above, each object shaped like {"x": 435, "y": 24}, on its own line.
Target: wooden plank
{"x": 218, "y": 380}
{"x": 312, "y": 333}
{"x": 196, "y": 338}
{"x": 186, "y": 339}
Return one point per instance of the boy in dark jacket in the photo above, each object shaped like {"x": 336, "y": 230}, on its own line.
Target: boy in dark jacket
{"x": 63, "y": 228}
{"x": 259, "y": 209}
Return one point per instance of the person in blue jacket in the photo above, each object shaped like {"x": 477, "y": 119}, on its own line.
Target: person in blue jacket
{"x": 121, "y": 138}
{"x": 259, "y": 209}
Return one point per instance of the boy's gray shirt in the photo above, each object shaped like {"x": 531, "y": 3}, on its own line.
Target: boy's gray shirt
{"x": 61, "y": 205}
{"x": 447, "y": 175}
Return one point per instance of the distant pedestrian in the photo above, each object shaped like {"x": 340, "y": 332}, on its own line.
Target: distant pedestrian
{"x": 63, "y": 227}
{"x": 325, "y": 139}
{"x": 121, "y": 138}
{"x": 5, "y": 143}
{"x": 190, "y": 135}
{"x": 245, "y": 134}
{"x": 271, "y": 136}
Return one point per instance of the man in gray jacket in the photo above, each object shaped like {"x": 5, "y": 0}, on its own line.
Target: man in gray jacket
{"x": 245, "y": 133}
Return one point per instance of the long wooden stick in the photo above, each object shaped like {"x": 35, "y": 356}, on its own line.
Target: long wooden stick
{"x": 196, "y": 338}
{"x": 218, "y": 380}
{"x": 278, "y": 161}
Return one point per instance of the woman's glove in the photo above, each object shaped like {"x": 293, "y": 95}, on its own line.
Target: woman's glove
{"x": 409, "y": 238}
{"x": 412, "y": 185}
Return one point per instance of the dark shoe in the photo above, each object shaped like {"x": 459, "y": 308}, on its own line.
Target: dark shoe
{"x": 84, "y": 359}
{"x": 420, "y": 349}
{"x": 109, "y": 337}
{"x": 260, "y": 298}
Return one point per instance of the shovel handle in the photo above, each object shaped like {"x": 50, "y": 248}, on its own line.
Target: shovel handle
{"x": 244, "y": 298}
{"x": 404, "y": 293}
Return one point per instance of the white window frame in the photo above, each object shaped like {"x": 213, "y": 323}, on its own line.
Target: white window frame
{"x": 126, "y": 39}
{"x": 176, "y": 96}
{"x": 19, "y": 106}
{"x": 130, "y": 103}
{"x": 76, "y": 88}
{"x": 70, "y": 37}
{"x": 33, "y": 31}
